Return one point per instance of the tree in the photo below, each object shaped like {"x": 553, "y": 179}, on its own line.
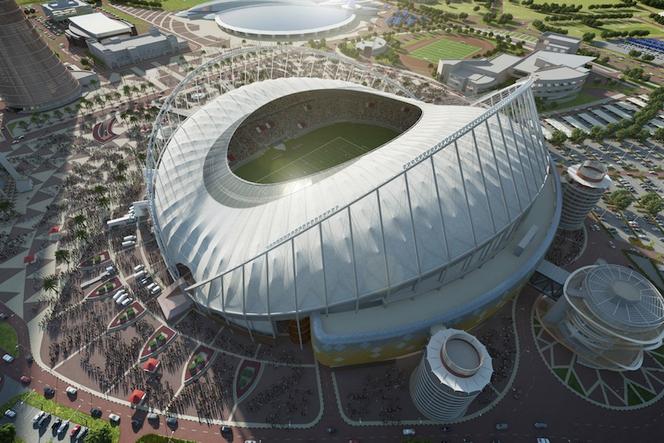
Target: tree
{"x": 659, "y": 135}
{"x": 620, "y": 199}
{"x": 99, "y": 435}
{"x": 50, "y": 283}
{"x": 7, "y": 432}
{"x": 558, "y": 138}
{"x": 62, "y": 255}
{"x": 588, "y": 37}
{"x": 652, "y": 203}
{"x": 578, "y": 136}
{"x": 79, "y": 219}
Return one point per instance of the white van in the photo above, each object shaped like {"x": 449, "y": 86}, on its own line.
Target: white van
{"x": 138, "y": 268}
{"x": 129, "y": 238}
{"x": 155, "y": 290}
{"x": 118, "y": 294}
{"x": 127, "y": 301}
{"x": 121, "y": 299}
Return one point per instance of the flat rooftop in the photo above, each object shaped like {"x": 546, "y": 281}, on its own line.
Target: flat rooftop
{"x": 99, "y": 25}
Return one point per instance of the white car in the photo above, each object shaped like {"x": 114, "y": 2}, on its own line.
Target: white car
{"x": 10, "y": 413}
{"x": 38, "y": 417}
{"x": 8, "y": 358}
{"x": 408, "y": 432}
{"x": 114, "y": 418}
{"x": 63, "y": 427}
{"x": 71, "y": 391}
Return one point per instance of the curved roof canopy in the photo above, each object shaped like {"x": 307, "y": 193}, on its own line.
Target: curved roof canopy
{"x": 298, "y": 246}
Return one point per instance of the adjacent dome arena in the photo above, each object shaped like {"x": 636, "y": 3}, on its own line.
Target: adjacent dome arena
{"x": 375, "y": 221}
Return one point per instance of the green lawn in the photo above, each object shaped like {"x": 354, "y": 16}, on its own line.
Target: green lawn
{"x": 178, "y": 5}
{"x": 74, "y": 415}
{"x": 141, "y": 25}
{"x": 8, "y": 338}
{"x": 444, "y": 49}
{"x": 315, "y": 151}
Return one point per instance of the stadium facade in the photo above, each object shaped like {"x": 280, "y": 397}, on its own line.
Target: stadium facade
{"x": 423, "y": 230}
{"x": 32, "y": 78}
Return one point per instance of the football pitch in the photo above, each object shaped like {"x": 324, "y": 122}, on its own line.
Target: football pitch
{"x": 444, "y": 49}
{"x": 314, "y": 151}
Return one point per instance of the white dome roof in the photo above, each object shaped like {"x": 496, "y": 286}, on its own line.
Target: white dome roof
{"x": 214, "y": 222}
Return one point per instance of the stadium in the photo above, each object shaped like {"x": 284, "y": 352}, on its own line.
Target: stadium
{"x": 284, "y": 19}
{"x": 293, "y": 190}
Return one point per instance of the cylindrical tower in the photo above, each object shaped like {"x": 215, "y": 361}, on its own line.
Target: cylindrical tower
{"x": 31, "y": 76}
{"x": 608, "y": 316}
{"x": 455, "y": 367}
{"x": 583, "y": 186}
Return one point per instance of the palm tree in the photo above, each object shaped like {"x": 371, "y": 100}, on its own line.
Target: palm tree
{"x": 79, "y": 220}
{"x": 121, "y": 167}
{"x": 6, "y": 205}
{"x": 50, "y": 283}
{"x": 99, "y": 189}
{"x": 104, "y": 202}
{"x": 126, "y": 90}
{"x": 62, "y": 255}
{"x": 81, "y": 234}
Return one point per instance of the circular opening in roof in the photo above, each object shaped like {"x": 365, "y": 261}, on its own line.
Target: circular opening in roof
{"x": 460, "y": 356}
{"x": 308, "y": 132}
{"x": 626, "y": 291}
{"x": 284, "y": 19}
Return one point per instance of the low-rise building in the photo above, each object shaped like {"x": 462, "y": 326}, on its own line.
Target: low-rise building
{"x": 373, "y": 47}
{"x": 550, "y": 41}
{"x": 98, "y": 26}
{"x": 60, "y": 10}
{"x": 476, "y": 76}
{"x": 121, "y": 51}
{"x": 559, "y": 76}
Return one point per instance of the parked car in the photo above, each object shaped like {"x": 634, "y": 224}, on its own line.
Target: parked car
{"x": 56, "y": 424}
{"x": 172, "y": 422}
{"x": 10, "y": 413}
{"x": 95, "y": 412}
{"x": 541, "y": 425}
{"x": 501, "y": 427}
{"x": 114, "y": 418}
{"x": 71, "y": 391}
{"x": 7, "y": 358}
{"x": 408, "y": 432}
{"x": 45, "y": 419}
{"x": 38, "y": 417}
{"x": 74, "y": 432}
{"x": 49, "y": 392}
{"x": 63, "y": 427}
{"x": 82, "y": 433}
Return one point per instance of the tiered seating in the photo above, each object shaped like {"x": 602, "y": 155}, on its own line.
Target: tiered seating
{"x": 296, "y": 114}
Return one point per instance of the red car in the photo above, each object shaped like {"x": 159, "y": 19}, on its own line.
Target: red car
{"x": 74, "y": 431}
{"x": 25, "y": 379}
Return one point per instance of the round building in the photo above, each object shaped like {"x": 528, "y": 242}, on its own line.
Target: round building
{"x": 609, "y": 315}
{"x": 325, "y": 197}
{"x": 454, "y": 369}
{"x": 583, "y": 186}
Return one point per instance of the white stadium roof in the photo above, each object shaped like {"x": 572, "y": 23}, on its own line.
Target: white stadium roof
{"x": 214, "y": 222}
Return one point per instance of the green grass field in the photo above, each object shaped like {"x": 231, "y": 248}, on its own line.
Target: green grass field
{"x": 8, "y": 338}
{"x": 315, "y": 151}
{"x": 444, "y": 49}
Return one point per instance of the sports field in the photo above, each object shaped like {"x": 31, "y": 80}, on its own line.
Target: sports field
{"x": 314, "y": 151}
{"x": 444, "y": 49}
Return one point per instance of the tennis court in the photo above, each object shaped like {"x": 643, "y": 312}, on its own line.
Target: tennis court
{"x": 314, "y": 151}
{"x": 444, "y": 49}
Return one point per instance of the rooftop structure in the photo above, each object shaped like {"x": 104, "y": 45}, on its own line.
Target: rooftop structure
{"x": 609, "y": 315}
{"x": 560, "y": 43}
{"x": 557, "y": 76}
{"x": 32, "y": 78}
{"x": 454, "y": 369}
{"x": 583, "y": 186}
{"x": 412, "y": 216}
{"x": 59, "y": 10}
{"x": 373, "y": 47}
{"x": 98, "y": 26}
{"x": 125, "y": 50}
{"x": 284, "y": 20}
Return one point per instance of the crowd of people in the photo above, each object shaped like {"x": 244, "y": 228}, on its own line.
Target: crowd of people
{"x": 379, "y": 396}
{"x": 566, "y": 247}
